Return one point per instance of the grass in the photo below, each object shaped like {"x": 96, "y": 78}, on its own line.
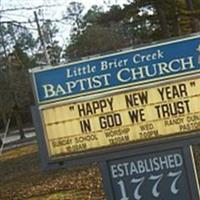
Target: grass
{"x": 22, "y": 178}
{"x": 65, "y": 195}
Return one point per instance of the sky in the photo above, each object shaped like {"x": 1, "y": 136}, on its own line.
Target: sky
{"x": 49, "y": 9}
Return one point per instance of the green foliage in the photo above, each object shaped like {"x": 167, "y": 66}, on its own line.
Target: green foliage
{"x": 54, "y": 51}
{"x": 19, "y": 36}
{"x": 74, "y": 15}
{"x": 15, "y": 90}
{"x": 97, "y": 31}
{"x": 140, "y": 21}
{"x": 49, "y": 32}
{"x": 92, "y": 15}
{"x": 96, "y": 35}
{"x": 99, "y": 37}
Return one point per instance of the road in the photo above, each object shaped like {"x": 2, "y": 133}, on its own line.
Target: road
{"x": 13, "y": 140}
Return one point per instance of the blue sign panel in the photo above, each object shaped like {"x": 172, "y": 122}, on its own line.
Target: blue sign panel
{"x": 120, "y": 70}
{"x": 158, "y": 175}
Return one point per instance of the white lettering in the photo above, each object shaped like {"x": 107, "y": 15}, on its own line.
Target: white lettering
{"x": 106, "y": 65}
{"x": 76, "y": 86}
{"x": 154, "y": 164}
{"x": 139, "y": 58}
{"x": 126, "y": 75}
{"x": 51, "y": 91}
{"x": 122, "y": 75}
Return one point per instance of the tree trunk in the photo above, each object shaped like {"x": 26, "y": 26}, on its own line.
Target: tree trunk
{"x": 176, "y": 26}
{"x": 160, "y": 7}
{"x": 19, "y": 124}
{"x": 5, "y": 120}
{"x": 194, "y": 22}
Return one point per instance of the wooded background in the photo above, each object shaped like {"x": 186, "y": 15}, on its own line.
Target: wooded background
{"x": 95, "y": 32}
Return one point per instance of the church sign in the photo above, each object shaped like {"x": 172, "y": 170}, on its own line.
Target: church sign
{"x": 115, "y": 72}
{"x": 108, "y": 101}
{"x": 122, "y": 118}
